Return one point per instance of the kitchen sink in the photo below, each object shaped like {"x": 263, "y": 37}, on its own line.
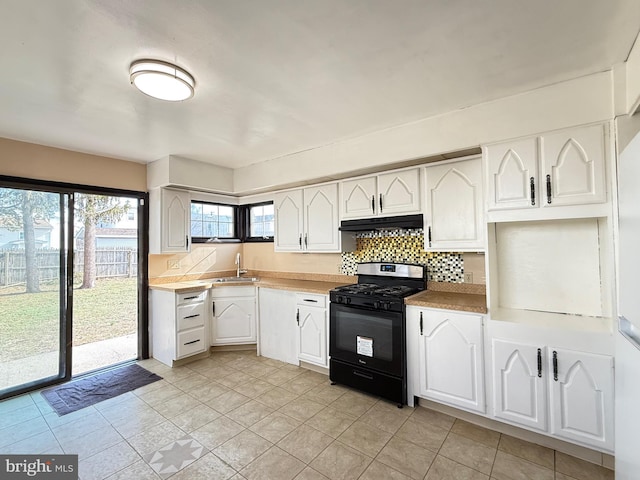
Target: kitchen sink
{"x": 234, "y": 279}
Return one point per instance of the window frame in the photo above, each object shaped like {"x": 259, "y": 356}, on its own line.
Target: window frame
{"x": 246, "y": 223}
{"x": 237, "y": 238}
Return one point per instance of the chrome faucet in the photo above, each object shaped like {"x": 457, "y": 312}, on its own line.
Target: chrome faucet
{"x": 239, "y": 271}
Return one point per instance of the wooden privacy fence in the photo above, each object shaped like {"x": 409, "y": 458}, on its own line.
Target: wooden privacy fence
{"x": 110, "y": 262}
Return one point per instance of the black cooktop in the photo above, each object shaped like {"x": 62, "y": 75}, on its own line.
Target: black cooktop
{"x": 372, "y": 289}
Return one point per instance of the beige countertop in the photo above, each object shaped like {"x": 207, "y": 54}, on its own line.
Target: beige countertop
{"x": 466, "y": 302}
{"x": 308, "y": 286}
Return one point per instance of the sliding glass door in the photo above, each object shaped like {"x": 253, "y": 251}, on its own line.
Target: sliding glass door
{"x": 34, "y": 288}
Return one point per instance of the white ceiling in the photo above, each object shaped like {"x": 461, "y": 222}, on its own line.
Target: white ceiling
{"x": 275, "y": 77}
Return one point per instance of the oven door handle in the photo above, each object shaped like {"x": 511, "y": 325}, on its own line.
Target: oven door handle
{"x": 363, "y": 375}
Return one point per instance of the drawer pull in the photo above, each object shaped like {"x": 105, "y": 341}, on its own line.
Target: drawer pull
{"x": 191, "y": 298}
{"x": 363, "y": 375}
{"x": 192, "y": 342}
{"x": 192, "y": 316}
{"x": 309, "y": 300}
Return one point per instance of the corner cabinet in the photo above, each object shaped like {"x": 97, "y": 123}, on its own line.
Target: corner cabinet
{"x": 447, "y": 350}
{"x": 178, "y": 324}
{"x": 234, "y": 315}
{"x": 555, "y": 169}
{"x": 391, "y": 193}
{"x": 312, "y": 335}
{"x": 306, "y": 220}
{"x": 169, "y": 221}
{"x": 454, "y": 206}
{"x": 566, "y": 393}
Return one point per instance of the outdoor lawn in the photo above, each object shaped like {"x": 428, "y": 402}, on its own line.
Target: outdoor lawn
{"x": 29, "y": 322}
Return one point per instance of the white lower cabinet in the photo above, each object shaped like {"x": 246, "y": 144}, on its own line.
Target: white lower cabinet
{"x": 278, "y": 327}
{"x": 178, "y": 324}
{"x": 566, "y": 393}
{"x": 234, "y": 315}
{"x": 311, "y": 317}
{"x": 450, "y": 366}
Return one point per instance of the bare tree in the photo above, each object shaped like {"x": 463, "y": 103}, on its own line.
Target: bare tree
{"x": 92, "y": 210}
{"x": 20, "y": 209}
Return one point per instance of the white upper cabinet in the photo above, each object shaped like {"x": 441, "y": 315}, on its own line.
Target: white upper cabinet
{"x": 169, "y": 221}
{"x": 391, "y": 193}
{"x": 454, "y": 209}
{"x": 307, "y": 220}
{"x": 564, "y": 168}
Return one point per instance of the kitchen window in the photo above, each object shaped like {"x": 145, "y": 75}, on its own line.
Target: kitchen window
{"x": 212, "y": 221}
{"x": 259, "y": 222}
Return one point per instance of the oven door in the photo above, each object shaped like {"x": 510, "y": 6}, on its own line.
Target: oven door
{"x": 368, "y": 338}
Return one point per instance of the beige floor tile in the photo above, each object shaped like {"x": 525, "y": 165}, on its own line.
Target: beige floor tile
{"x": 151, "y": 387}
{"x": 155, "y": 438}
{"x": 91, "y": 442}
{"x": 54, "y": 420}
{"x": 562, "y": 476}
{"x": 23, "y": 431}
{"x": 192, "y": 381}
{"x": 216, "y": 372}
{"x": 331, "y": 421}
{"x": 176, "y": 374}
{"x": 380, "y": 471}
{"x": 208, "y": 391}
{"x": 406, "y": 457}
{"x": 385, "y": 416}
{"x": 160, "y": 395}
{"x": 305, "y": 443}
{"x": 195, "y": 418}
{"x": 325, "y": 393}
{"x": 365, "y": 438}
{"x": 274, "y": 464}
{"x": 575, "y": 467}
{"x": 425, "y": 435}
{"x": 467, "y": 452}
{"x": 300, "y": 384}
{"x": 275, "y": 426}
{"x": 487, "y": 437}
{"x": 176, "y": 405}
{"x": 107, "y": 462}
{"x": 207, "y": 467}
{"x": 431, "y": 417}
{"x": 16, "y": 403}
{"x": 234, "y": 379}
{"x": 215, "y": 433}
{"x": 444, "y": 469}
{"x": 80, "y": 427}
{"x": 282, "y": 376}
{"x": 510, "y": 467}
{"x": 276, "y": 397}
{"x": 44, "y": 442}
{"x": 249, "y": 413}
{"x": 139, "y": 470}
{"x": 302, "y": 409}
{"x": 310, "y": 474}
{"x": 259, "y": 370}
{"x": 529, "y": 451}
{"x": 253, "y": 388}
{"x": 340, "y": 462}
{"x": 227, "y": 401}
{"x": 242, "y": 449}
{"x": 353, "y": 404}
{"x": 140, "y": 421}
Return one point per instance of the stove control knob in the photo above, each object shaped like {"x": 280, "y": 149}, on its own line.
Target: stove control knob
{"x": 376, "y": 305}
{"x": 339, "y": 299}
{"x": 348, "y": 299}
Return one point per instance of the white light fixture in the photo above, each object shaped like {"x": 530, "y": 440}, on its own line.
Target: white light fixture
{"x": 162, "y": 80}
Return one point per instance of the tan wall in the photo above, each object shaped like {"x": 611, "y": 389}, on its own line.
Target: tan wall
{"x": 260, "y": 256}
{"x": 28, "y": 160}
{"x": 204, "y": 260}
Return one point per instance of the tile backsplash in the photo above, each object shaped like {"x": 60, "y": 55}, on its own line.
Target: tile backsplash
{"x": 403, "y": 246}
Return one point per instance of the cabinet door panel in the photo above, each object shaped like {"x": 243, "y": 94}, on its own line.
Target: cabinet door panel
{"x": 312, "y": 335}
{"x": 451, "y": 366}
{"x": 288, "y": 221}
{"x": 358, "y": 198}
{"x": 234, "y": 321}
{"x": 176, "y": 208}
{"x": 519, "y": 395}
{"x": 582, "y": 398}
{"x": 399, "y": 192}
{"x": 574, "y": 161}
{"x": 278, "y": 327}
{"x": 510, "y": 168}
{"x": 321, "y": 218}
{"x": 454, "y": 206}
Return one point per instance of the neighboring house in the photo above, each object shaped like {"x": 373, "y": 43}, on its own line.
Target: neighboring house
{"x": 13, "y": 239}
{"x": 123, "y": 233}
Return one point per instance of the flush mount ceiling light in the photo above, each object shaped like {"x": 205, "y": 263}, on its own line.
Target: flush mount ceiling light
{"x": 162, "y": 80}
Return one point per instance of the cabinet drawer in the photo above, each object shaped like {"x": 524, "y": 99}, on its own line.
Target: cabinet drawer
{"x": 190, "y": 342}
{"x": 191, "y": 297}
{"x": 190, "y": 316}
{"x": 233, "y": 291}
{"x": 311, "y": 299}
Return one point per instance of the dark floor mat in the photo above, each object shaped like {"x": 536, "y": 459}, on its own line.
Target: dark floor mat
{"x": 87, "y": 391}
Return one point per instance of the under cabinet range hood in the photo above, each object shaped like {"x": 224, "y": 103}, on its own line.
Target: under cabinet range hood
{"x": 382, "y": 223}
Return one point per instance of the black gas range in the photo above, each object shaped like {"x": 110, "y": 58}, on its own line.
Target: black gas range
{"x": 367, "y": 328}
